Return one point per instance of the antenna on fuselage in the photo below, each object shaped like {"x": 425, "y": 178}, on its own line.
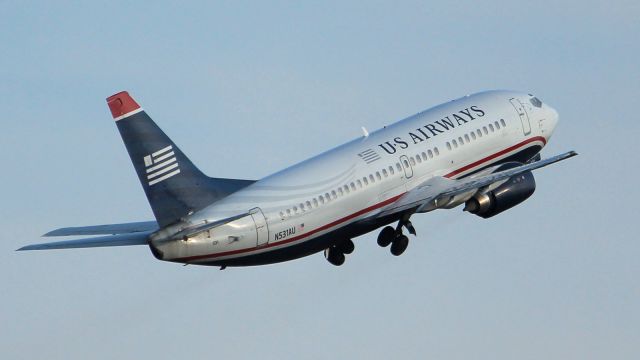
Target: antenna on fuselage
{"x": 365, "y": 132}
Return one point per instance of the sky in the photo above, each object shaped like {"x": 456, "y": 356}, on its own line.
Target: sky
{"x": 248, "y": 88}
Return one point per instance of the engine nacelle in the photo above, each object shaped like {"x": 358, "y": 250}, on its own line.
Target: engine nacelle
{"x": 511, "y": 193}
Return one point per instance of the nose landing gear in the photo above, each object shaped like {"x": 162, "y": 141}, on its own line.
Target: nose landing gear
{"x": 399, "y": 242}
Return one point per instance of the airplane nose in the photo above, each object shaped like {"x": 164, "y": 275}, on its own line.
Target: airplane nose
{"x": 551, "y": 119}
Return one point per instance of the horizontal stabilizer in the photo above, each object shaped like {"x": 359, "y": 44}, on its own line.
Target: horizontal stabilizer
{"x": 190, "y": 231}
{"x": 139, "y": 238}
{"x": 109, "y": 229}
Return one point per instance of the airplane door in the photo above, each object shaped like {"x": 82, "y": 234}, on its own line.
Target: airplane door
{"x": 522, "y": 113}
{"x": 262, "y": 230}
{"x": 406, "y": 166}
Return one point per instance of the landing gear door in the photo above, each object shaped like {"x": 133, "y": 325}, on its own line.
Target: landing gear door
{"x": 522, "y": 113}
{"x": 262, "y": 230}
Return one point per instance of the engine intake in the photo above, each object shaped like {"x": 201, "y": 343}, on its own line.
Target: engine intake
{"x": 514, "y": 191}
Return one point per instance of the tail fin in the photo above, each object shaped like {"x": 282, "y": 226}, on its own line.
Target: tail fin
{"x": 173, "y": 185}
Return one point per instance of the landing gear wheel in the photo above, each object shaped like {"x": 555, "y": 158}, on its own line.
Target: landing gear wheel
{"x": 346, "y": 246}
{"x": 399, "y": 245}
{"x": 386, "y": 236}
{"x": 334, "y": 256}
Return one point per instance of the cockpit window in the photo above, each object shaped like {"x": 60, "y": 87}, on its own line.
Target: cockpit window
{"x": 536, "y": 102}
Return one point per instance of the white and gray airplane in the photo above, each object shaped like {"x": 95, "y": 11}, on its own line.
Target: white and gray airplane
{"x": 478, "y": 150}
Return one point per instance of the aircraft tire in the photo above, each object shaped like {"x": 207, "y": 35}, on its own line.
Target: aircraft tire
{"x": 386, "y": 236}
{"x": 346, "y": 247}
{"x": 399, "y": 245}
{"x": 334, "y": 256}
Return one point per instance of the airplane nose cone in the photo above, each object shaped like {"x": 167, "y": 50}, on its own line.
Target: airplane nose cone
{"x": 551, "y": 119}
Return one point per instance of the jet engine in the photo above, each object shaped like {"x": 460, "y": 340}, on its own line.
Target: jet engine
{"x": 509, "y": 194}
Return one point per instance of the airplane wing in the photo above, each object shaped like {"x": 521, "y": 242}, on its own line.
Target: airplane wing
{"x": 109, "y": 229}
{"x": 138, "y": 238}
{"x": 438, "y": 188}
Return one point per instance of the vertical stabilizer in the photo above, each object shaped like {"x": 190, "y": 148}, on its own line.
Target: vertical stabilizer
{"x": 173, "y": 185}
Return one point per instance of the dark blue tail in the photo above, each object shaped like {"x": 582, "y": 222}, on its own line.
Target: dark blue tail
{"x": 173, "y": 185}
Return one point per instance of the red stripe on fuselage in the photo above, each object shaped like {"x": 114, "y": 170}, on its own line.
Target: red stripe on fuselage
{"x": 360, "y": 212}
{"x": 493, "y": 156}
{"x": 324, "y": 227}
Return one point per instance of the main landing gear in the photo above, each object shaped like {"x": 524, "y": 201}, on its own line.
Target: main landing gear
{"x": 395, "y": 237}
{"x": 336, "y": 253}
{"x": 388, "y": 236}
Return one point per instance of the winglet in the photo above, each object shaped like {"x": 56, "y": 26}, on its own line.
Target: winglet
{"x": 122, "y": 105}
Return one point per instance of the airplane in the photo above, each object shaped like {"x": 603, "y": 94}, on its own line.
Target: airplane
{"x": 478, "y": 151}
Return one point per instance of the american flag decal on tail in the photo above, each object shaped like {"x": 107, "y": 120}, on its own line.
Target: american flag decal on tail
{"x": 161, "y": 165}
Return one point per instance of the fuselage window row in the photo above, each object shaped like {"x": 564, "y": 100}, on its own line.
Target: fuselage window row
{"x": 358, "y": 184}
{"x": 474, "y": 135}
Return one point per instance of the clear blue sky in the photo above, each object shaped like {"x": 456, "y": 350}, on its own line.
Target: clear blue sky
{"x": 246, "y": 89}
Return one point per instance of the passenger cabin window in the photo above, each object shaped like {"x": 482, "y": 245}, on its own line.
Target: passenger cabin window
{"x": 436, "y": 151}
{"x": 418, "y": 158}
{"x": 406, "y": 163}
{"x": 455, "y": 143}
{"x": 473, "y": 136}
{"x": 308, "y": 204}
{"x": 484, "y": 128}
{"x": 359, "y": 184}
{"x": 497, "y": 125}
{"x": 504, "y": 124}
{"x": 315, "y": 202}
{"x": 391, "y": 170}
{"x": 385, "y": 173}
{"x": 399, "y": 167}
{"x": 466, "y": 137}
{"x": 448, "y": 145}
{"x": 333, "y": 195}
{"x": 365, "y": 181}
{"x": 371, "y": 178}
{"x": 491, "y": 127}
{"x": 461, "y": 141}
{"x": 412, "y": 160}
{"x": 430, "y": 153}
{"x": 353, "y": 187}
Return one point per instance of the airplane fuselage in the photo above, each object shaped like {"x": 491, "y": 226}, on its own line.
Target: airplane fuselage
{"x": 340, "y": 194}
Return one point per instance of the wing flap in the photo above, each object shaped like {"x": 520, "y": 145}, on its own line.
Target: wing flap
{"x": 107, "y": 229}
{"x": 139, "y": 238}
